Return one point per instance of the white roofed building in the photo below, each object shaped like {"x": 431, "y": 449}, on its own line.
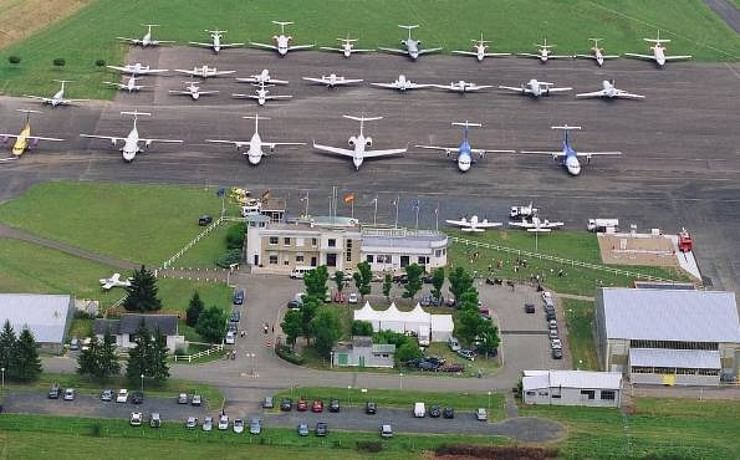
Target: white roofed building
{"x": 572, "y": 388}
{"x": 47, "y": 316}
{"x": 414, "y": 321}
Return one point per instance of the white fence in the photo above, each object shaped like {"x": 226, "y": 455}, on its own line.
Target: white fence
{"x": 190, "y": 358}
{"x": 168, "y": 263}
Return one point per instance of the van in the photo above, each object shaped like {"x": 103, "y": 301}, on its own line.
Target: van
{"x": 299, "y": 272}
{"x": 419, "y": 410}
{"x": 230, "y": 338}
{"x": 453, "y": 344}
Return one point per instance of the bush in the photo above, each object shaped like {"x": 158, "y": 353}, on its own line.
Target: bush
{"x": 233, "y": 256}
{"x": 100, "y": 63}
{"x": 14, "y": 59}
{"x": 369, "y": 446}
{"x": 285, "y": 353}
{"x": 235, "y": 236}
{"x": 362, "y": 328}
{"x": 59, "y": 62}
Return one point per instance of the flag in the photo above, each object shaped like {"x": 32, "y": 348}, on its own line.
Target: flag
{"x": 221, "y": 191}
{"x": 436, "y": 211}
{"x": 375, "y": 200}
{"x": 417, "y": 204}
{"x": 266, "y": 195}
{"x": 349, "y": 198}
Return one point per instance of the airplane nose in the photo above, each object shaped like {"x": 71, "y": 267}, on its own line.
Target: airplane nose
{"x": 464, "y": 166}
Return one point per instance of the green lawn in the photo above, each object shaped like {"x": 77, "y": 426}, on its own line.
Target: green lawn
{"x": 176, "y": 294}
{"x": 579, "y": 316}
{"x": 206, "y": 251}
{"x": 510, "y": 24}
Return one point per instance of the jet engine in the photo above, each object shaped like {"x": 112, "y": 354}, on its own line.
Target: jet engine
{"x": 368, "y": 141}
{"x": 352, "y": 141}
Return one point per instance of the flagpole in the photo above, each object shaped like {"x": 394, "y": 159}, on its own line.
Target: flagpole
{"x": 395, "y": 225}
{"x": 417, "y": 214}
{"x": 353, "y": 207}
{"x": 375, "y": 212}
{"x": 436, "y": 218}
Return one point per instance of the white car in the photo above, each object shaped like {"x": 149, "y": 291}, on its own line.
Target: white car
{"x": 122, "y": 396}
{"x": 554, "y": 334}
{"x": 556, "y": 343}
{"x": 352, "y": 298}
{"x": 223, "y": 422}
{"x": 481, "y": 414}
{"x": 238, "y": 426}
{"x": 547, "y": 297}
{"x": 208, "y": 424}
{"x": 136, "y": 418}
{"x": 230, "y": 338}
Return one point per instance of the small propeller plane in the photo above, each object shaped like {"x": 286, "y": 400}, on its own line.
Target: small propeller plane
{"x": 359, "y": 144}
{"x": 262, "y": 77}
{"x": 114, "y": 281}
{"x": 473, "y": 225}
{"x": 347, "y": 47}
{"x": 658, "y": 50}
{"x": 544, "y": 52}
{"x": 136, "y": 69}
{"x": 192, "y": 89}
{"x": 568, "y": 156}
{"x": 412, "y": 48}
{"x": 262, "y": 94}
{"x": 147, "y": 39}
{"x": 464, "y": 152}
{"x": 462, "y": 87}
{"x": 480, "y": 47}
{"x": 24, "y": 141}
{"x": 610, "y": 91}
{"x": 57, "y": 98}
{"x": 402, "y": 84}
{"x": 255, "y": 145}
{"x": 132, "y": 140}
{"x": 204, "y": 72}
{"x": 536, "y": 225}
{"x": 536, "y": 88}
{"x": 216, "y": 45}
{"x": 597, "y": 53}
{"x": 130, "y": 85}
{"x": 333, "y": 80}
{"x": 282, "y": 42}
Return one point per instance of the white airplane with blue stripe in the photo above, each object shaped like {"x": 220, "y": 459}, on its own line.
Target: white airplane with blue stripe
{"x": 464, "y": 152}
{"x": 568, "y": 156}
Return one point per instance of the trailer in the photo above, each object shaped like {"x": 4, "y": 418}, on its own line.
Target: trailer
{"x": 601, "y": 225}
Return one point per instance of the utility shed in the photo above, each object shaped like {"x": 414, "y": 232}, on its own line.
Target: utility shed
{"x": 572, "y": 388}
{"x": 47, "y": 316}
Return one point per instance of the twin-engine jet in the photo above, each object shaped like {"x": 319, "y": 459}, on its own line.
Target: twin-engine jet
{"x": 536, "y": 225}
{"x": 193, "y": 90}
{"x": 204, "y": 72}
{"x": 597, "y": 53}
{"x": 536, "y": 88}
{"x": 412, "y": 48}
{"x": 216, "y": 44}
{"x": 544, "y": 52}
{"x": 333, "y": 80}
{"x": 473, "y": 225}
{"x": 347, "y": 47}
{"x": 402, "y": 84}
{"x": 261, "y": 95}
{"x": 57, "y": 98}
{"x": 24, "y": 141}
{"x": 282, "y": 42}
{"x": 463, "y": 86}
{"x": 480, "y": 47}
{"x": 658, "y": 50}
{"x": 255, "y": 145}
{"x": 147, "y": 40}
{"x": 136, "y": 69}
{"x": 262, "y": 77}
{"x": 609, "y": 91}
{"x": 463, "y": 154}
{"x": 130, "y": 85}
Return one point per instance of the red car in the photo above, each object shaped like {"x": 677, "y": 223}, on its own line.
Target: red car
{"x": 301, "y": 405}
{"x": 317, "y": 406}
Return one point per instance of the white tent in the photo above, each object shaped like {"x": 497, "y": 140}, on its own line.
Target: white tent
{"x": 442, "y": 327}
{"x": 406, "y": 321}
{"x": 366, "y": 313}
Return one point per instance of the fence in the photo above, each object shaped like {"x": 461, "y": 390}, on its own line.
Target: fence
{"x": 190, "y": 358}
{"x": 168, "y": 263}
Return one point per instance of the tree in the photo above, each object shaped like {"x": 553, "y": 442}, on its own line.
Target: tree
{"x": 460, "y": 281}
{"x": 408, "y": 351}
{"x": 136, "y": 366}
{"x": 195, "y": 308}
{"x": 362, "y": 328}
{"x": 7, "y": 344}
{"x": 87, "y": 360}
{"x": 59, "y": 62}
{"x": 26, "y": 364}
{"x": 212, "y": 324}
{"x": 363, "y": 277}
{"x": 387, "y": 285}
{"x": 469, "y": 299}
{"x": 339, "y": 280}
{"x": 157, "y": 368}
{"x": 308, "y": 312}
{"x": 142, "y": 294}
{"x": 489, "y": 340}
{"x": 327, "y": 329}
{"x": 292, "y": 326}
{"x": 438, "y": 280}
{"x": 100, "y": 63}
{"x": 235, "y": 236}
{"x": 413, "y": 286}
{"x": 315, "y": 282}
{"x": 107, "y": 357}
{"x": 15, "y": 60}
{"x": 470, "y": 325}
{"x": 228, "y": 258}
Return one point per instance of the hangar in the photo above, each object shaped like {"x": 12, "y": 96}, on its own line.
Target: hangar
{"x": 47, "y": 316}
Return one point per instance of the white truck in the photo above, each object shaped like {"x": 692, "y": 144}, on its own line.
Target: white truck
{"x": 420, "y": 410}
{"x": 424, "y": 336}
{"x": 600, "y": 225}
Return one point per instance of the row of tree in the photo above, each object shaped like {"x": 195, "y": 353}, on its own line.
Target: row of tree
{"x": 59, "y": 62}
{"x": 209, "y": 323}
{"x": 19, "y": 355}
{"x": 470, "y": 327}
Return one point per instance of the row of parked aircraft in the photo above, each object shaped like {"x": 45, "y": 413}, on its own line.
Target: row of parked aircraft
{"x": 412, "y": 47}
{"x": 254, "y": 149}
{"x": 533, "y": 225}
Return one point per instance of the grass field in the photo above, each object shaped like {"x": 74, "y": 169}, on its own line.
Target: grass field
{"x": 208, "y": 249}
{"x": 579, "y": 316}
{"x": 658, "y": 428}
{"x": 510, "y": 24}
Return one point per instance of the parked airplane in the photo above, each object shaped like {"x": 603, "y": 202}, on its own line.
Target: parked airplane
{"x": 347, "y": 47}
{"x": 464, "y": 152}
{"x": 463, "y": 87}
{"x": 402, "y": 84}
{"x": 480, "y": 47}
{"x": 129, "y": 86}
{"x": 474, "y": 224}
{"x": 204, "y": 72}
{"x": 658, "y": 52}
{"x": 147, "y": 39}
{"x": 537, "y": 225}
{"x": 193, "y": 90}
{"x": 523, "y": 211}
{"x": 114, "y": 281}
{"x": 216, "y": 45}
{"x": 333, "y": 80}
{"x": 57, "y": 98}
{"x": 359, "y": 144}
{"x": 412, "y": 48}
{"x": 24, "y": 141}
{"x": 261, "y": 95}
{"x": 536, "y": 88}
{"x": 132, "y": 140}
{"x": 262, "y": 77}
{"x": 543, "y": 52}
{"x": 255, "y": 145}
{"x": 568, "y": 156}
{"x": 597, "y": 53}
{"x": 136, "y": 69}
{"x": 282, "y": 42}
{"x": 610, "y": 91}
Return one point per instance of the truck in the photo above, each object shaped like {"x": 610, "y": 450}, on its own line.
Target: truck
{"x": 520, "y": 212}
{"x": 424, "y": 336}
{"x": 600, "y": 225}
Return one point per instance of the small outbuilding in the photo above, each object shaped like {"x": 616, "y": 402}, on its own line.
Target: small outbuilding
{"x": 362, "y": 352}
{"x": 572, "y": 388}
{"x": 125, "y": 327}
{"x": 47, "y": 316}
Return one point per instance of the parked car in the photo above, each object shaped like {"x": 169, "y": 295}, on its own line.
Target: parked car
{"x": 293, "y": 305}
{"x": 386, "y": 431}
{"x": 238, "y": 426}
{"x": 467, "y": 354}
{"x": 239, "y": 297}
{"x": 547, "y": 297}
{"x": 427, "y": 366}
{"x": 481, "y": 414}
{"x": 371, "y": 408}
{"x": 556, "y": 343}
{"x": 191, "y": 423}
{"x": 267, "y": 403}
{"x": 451, "y": 302}
{"x": 554, "y": 334}
{"x": 301, "y": 405}
{"x": 552, "y": 324}
{"x": 419, "y": 410}
{"x": 550, "y": 315}
{"x": 74, "y": 344}
{"x": 448, "y": 412}
{"x": 69, "y": 394}
{"x": 122, "y": 396}
{"x": 557, "y": 353}
{"x": 425, "y": 300}
{"x": 106, "y": 395}
{"x": 286, "y": 405}
{"x": 322, "y": 429}
{"x": 437, "y": 301}
{"x": 197, "y": 400}
{"x": 334, "y": 405}
{"x": 135, "y": 419}
{"x": 352, "y": 298}
{"x": 236, "y": 316}
{"x": 302, "y": 429}
{"x": 435, "y": 411}
{"x": 255, "y": 426}
{"x": 223, "y": 422}
{"x": 182, "y": 398}
{"x": 452, "y": 367}
{"x": 55, "y": 391}
{"x": 230, "y": 338}
{"x": 137, "y": 397}
{"x": 529, "y": 308}
{"x": 317, "y": 406}
{"x": 155, "y": 420}
{"x": 205, "y": 220}
{"x": 208, "y": 424}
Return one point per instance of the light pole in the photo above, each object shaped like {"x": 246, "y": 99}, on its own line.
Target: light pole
{"x": 3, "y": 371}
{"x": 142, "y": 383}
{"x": 400, "y": 381}
{"x": 331, "y": 360}
{"x": 349, "y": 395}
{"x": 489, "y": 401}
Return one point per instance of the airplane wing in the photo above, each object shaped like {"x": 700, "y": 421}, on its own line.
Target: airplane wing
{"x": 386, "y": 85}
{"x": 106, "y": 284}
{"x": 334, "y": 150}
{"x": 488, "y": 224}
{"x": 496, "y": 54}
{"x": 482, "y": 152}
{"x": 39, "y": 138}
{"x": 329, "y": 48}
{"x": 649, "y": 57}
{"x": 348, "y": 81}
{"x": 513, "y": 88}
{"x": 610, "y": 56}
{"x": 677, "y": 58}
{"x": 621, "y": 93}
{"x": 272, "y": 145}
{"x": 383, "y": 153}
{"x": 300, "y": 47}
{"x": 207, "y": 45}
{"x": 362, "y": 50}
{"x": 224, "y": 72}
{"x": 588, "y": 154}
{"x": 393, "y": 50}
{"x": 553, "y": 153}
{"x": 551, "y": 224}
{"x": 108, "y": 138}
{"x": 135, "y": 41}
{"x": 208, "y": 92}
{"x": 559, "y": 56}
{"x": 532, "y": 55}
{"x": 237, "y": 144}
{"x": 459, "y": 223}
{"x": 40, "y": 98}
{"x": 446, "y": 150}
{"x": 477, "y": 87}
{"x": 73, "y": 101}
{"x": 162, "y": 42}
{"x": 145, "y": 72}
{"x": 539, "y": 230}
{"x": 521, "y": 224}
{"x": 231, "y": 45}
{"x": 316, "y": 80}
{"x": 599, "y": 93}
{"x": 585, "y": 56}
{"x": 466, "y": 53}
{"x": 263, "y": 45}
{"x": 189, "y": 72}
{"x": 244, "y": 96}
{"x": 174, "y": 91}
{"x": 161, "y": 141}
{"x": 278, "y": 96}
{"x": 430, "y": 50}
{"x": 118, "y": 68}
{"x": 559, "y": 90}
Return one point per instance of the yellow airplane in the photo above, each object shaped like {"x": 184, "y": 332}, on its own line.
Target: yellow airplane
{"x": 24, "y": 140}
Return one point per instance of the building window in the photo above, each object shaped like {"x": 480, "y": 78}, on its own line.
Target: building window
{"x": 384, "y": 259}
{"x": 384, "y": 355}
{"x": 273, "y": 240}
{"x": 423, "y": 260}
{"x": 369, "y": 258}
{"x": 438, "y": 253}
{"x": 286, "y": 241}
{"x": 314, "y": 242}
{"x": 332, "y": 243}
{"x": 348, "y": 257}
{"x": 708, "y": 371}
{"x": 530, "y": 393}
{"x": 273, "y": 259}
{"x": 555, "y": 396}
{"x": 608, "y": 395}
{"x": 642, "y": 370}
{"x": 544, "y": 393}
{"x": 589, "y": 394}
{"x": 299, "y": 258}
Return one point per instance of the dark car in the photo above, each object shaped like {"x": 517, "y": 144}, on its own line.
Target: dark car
{"x": 301, "y": 405}
{"x": 286, "y": 405}
{"x": 428, "y": 366}
{"x": 453, "y": 367}
{"x": 550, "y": 315}
{"x": 239, "y": 297}
{"x": 236, "y": 316}
{"x": 529, "y": 308}
{"x": 438, "y": 360}
{"x": 106, "y": 395}
{"x": 437, "y": 301}
{"x": 294, "y": 305}
{"x": 371, "y": 407}
{"x": 322, "y": 429}
{"x": 557, "y": 353}
{"x": 205, "y": 220}
{"x": 55, "y": 391}
{"x": 435, "y": 411}
{"x": 425, "y": 300}
{"x": 334, "y": 405}
{"x": 137, "y": 397}
{"x": 448, "y": 412}
{"x": 427, "y": 279}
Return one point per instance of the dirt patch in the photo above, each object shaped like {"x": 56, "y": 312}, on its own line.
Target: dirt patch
{"x": 21, "y": 18}
{"x": 460, "y": 452}
{"x": 626, "y": 249}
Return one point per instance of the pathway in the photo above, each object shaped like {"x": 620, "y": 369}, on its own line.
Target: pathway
{"x": 726, "y": 10}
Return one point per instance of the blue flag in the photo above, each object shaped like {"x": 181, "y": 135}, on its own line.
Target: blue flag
{"x": 221, "y": 192}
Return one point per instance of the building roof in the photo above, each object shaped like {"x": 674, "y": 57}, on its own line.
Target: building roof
{"x": 129, "y": 323}
{"x": 362, "y": 341}
{"x": 45, "y": 315}
{"x": 668, "y": 314}
{"x": 112, "y": 325}
{"x": 536, "y": 379}
{"x": 661, "y": 357}
{"x": 384, "y": 348}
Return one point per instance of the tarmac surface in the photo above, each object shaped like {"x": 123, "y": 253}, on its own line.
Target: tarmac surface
{"x": 680, "y": 165}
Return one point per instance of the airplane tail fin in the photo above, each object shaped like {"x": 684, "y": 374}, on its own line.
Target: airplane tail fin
{"x": 137, "y": 114}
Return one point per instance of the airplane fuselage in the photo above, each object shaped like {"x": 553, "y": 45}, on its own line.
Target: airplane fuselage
{"x": 194, "y": 93}
{"x": 659, "y": 54}
{"x": 57, "y": 98}
{"x": 535, "y": 88}
{"x": 254, "y": 153}
{"x": 570, "y": 160}
{"x": 358, "y": 144}
{"x": 131, "y": 145}
{"x": 261, "y": 96}
{"x": 544, "y": 54}
{"x": 412, "y": 47}
{"x": 598, "y": 56}
{"x": 347, "y": 50}
{"x": 283, "y": 44}
{"x": 464, "y": 157}
{"x": 216, "y": 43}
{"x": 21, "y": 143}
{"x": 480, "y": 52}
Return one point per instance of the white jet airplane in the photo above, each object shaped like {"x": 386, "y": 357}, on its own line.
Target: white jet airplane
{"x": 474, "y": 224}
{"x": 536, "y": 225}
{"x": 282, "y": 42}
{"x": 464, "y": 152}
{"x": 597, "y": 53}
{"x": 136, "y": 69}
{"x": 262, "y": 77}
{"x": 333, "y": 80}
{"x": 193, "y": 90}
{"x": 658, "y": 50}
{"x": 544, "y": 52}
{"x": 114, "y": 281}
{"x": 216, "y": 44}
{"x": 132, "y": 140}
{"x": 129, "y": 86}
{"x": 536, "y": 88}
{"x": 480, "y": 47}
{"x": 412, "y": 47}
{"x": 261, "y": 95}
{"x": 204, "y": 72}
{"x": 347, "y": 47}
{"x": 610, "y": 91}
{"x": 463, "y": 87}
{"x": 57, "y": 98}
{"x": 402, "y": 84}
{"x": 359, "y": 144}
{"x": 255, "y": 145}
{"x": 568, "y": 156}
{"x": 147, "y": 39}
